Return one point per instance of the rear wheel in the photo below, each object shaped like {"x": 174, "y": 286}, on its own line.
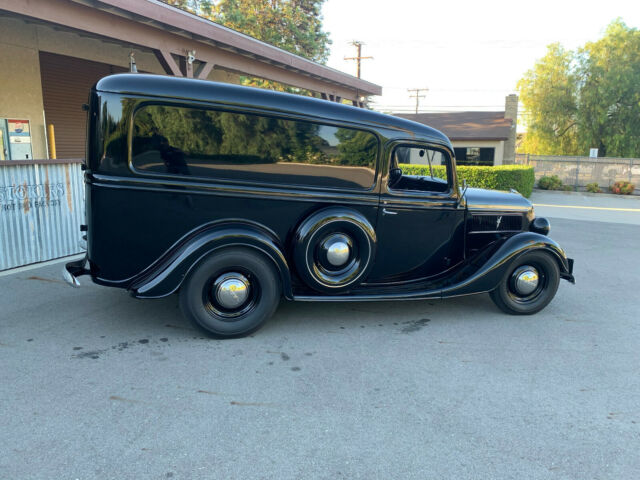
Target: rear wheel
{"x": 231, "y": 293}
{"x": 529, "y": 284}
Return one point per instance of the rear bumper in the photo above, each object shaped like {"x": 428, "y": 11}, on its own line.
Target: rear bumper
{"x": 73, "y": 270}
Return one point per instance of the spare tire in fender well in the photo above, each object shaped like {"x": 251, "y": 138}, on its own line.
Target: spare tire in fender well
{"x": 334, "y": 249}
{"x": 167, "y": 273}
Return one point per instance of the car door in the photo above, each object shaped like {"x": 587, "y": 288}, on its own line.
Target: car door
{"x": 420, "y": 226}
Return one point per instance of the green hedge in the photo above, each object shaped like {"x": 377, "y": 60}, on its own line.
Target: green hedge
{"x": 502, "y": 177}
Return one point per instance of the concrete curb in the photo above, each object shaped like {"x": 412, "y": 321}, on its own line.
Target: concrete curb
{"x": 587, "y": 194}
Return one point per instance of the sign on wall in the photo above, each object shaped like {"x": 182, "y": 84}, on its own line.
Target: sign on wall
{"x": 19, "y": 133}
{"x": 41, "y": 209}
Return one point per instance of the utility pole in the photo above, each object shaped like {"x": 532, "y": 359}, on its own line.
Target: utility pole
{"x": 359, "y": 57}
{"x": 417, "y": 96}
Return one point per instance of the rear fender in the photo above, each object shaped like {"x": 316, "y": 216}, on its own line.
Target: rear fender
{"x": 166, "y": 275}
{"x": 489, "y": 276}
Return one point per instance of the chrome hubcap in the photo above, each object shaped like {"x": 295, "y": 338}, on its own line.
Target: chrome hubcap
{"x": 337, "y": 250}
{"x": 231, "y": 290}
{"x": 526, "y": 280}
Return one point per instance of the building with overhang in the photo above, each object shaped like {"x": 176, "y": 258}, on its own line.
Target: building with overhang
{"x": 478, "y": 138}
{"x": 53, "y": 51}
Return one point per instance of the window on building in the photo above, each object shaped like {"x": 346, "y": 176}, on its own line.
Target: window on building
{"x": 255, "y": 148}
{"x": 475, "y": 156}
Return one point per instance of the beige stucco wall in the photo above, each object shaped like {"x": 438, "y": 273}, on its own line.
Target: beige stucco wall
{"x": 20, "y": 89}
{"x": 497, "y": 144}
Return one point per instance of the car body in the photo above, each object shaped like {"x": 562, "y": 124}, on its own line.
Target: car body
{"x": 236, "y": 196}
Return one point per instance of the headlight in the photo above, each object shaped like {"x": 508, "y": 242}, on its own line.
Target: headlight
{"x": 540, "y": 225}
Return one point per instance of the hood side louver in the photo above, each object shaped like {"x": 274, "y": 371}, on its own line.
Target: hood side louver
{"x": 495, "y": 223}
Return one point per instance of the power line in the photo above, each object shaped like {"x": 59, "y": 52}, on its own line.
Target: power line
{"x": 417, "y": 96}
{"x": 441, "y": 106}
{"x": 359, "y": 57}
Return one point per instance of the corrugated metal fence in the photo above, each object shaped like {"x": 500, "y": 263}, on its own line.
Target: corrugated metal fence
{"x": 41, "y": 209}
{"x": 580, "y": 171}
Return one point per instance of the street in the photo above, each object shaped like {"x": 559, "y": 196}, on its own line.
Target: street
{"x": 97, "y": 385}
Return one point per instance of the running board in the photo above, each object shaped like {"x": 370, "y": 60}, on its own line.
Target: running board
{"x": 428, "y": 295}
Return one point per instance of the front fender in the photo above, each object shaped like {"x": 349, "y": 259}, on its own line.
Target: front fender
{"x": 166, "y": 275}
{"x": 489, "y": 275}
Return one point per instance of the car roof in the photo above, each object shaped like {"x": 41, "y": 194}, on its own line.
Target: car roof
{"x": 226, "y": 93}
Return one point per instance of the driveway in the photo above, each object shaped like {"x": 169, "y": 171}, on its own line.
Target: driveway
{"x": 97, "y": 385}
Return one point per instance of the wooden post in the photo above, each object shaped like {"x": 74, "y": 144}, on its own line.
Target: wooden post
{"x": 52, "y": 141}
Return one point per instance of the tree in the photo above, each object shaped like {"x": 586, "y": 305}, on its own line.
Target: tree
{"x": 609, "y": 104}
{"x": 548, "y": 93}
{"x": 586, "y": 99}
{"x": 293, "y": 25}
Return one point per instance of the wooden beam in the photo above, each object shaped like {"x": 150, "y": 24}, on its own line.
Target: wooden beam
{"x": 168, "y": 63}
{"x": 203, "y": 70}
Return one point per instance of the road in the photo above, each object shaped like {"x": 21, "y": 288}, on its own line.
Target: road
{"x": 588, "y": 207}
{"x": 97, "y": 385}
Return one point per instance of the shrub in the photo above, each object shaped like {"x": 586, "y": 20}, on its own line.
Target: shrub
{"x": 623, "y": 188}
{"x": 593, "y": 188}
{"x": 550, "y": 183}
{"x": 501, "y": 177}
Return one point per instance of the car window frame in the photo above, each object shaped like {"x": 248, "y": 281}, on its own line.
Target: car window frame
{"x": 144, "y": 102}
{"x": 451, "y": 192}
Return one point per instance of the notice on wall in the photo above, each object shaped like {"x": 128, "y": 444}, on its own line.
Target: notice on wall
{"x": 24, "y": 197}
{"x": 18, "y": 131}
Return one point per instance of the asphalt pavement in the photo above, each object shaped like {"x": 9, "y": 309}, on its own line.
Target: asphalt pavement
{"x": 592, "y": 207}
{"x": 97, "y": 385}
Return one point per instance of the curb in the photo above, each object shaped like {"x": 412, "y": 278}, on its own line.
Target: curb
{"x": 631, "y": 197}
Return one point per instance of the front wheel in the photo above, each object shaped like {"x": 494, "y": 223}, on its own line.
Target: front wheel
{"x": 529, "y": 285}
{"x": 231, "y": 293}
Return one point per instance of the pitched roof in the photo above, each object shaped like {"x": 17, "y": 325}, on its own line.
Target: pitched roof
{"x": 466, "y": 125}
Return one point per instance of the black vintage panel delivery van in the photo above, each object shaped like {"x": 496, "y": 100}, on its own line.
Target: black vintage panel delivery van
{"x": 235, "y": 197}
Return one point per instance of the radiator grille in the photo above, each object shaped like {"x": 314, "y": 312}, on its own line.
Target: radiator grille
{"x": 495, "y": 223}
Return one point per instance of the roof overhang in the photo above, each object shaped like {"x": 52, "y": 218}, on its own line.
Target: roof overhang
{"x": 187, "y": 24}
{"x": 152, "y": 24}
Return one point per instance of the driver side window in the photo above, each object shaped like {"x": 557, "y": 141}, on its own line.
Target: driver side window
{"x": 419, "y": 169}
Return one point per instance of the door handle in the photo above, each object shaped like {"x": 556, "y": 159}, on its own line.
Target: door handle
{"x": 388, "y": 212}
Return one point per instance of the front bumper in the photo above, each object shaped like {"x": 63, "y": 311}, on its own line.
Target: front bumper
{"x": 73, "y": 270}
{"x": 568, "y": 275}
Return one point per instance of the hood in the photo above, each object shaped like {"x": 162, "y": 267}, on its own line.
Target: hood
{"x": 479, "y": 199}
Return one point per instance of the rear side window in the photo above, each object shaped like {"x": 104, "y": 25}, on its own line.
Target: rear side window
{"x": 245, "y": 147}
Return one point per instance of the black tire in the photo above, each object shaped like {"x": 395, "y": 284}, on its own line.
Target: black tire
{"x": 506, "y": 295}
{"x": 200, "y": 305}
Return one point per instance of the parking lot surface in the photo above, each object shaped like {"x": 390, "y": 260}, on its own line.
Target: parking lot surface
{"x": 97, "y": 385}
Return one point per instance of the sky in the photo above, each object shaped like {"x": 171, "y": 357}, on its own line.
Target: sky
{"x": 469, "y": 54}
